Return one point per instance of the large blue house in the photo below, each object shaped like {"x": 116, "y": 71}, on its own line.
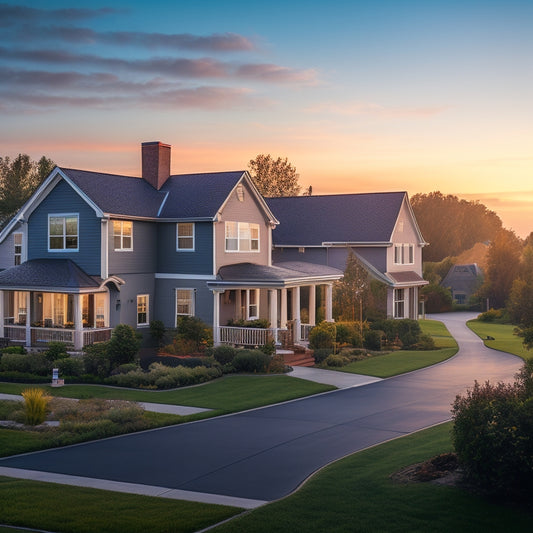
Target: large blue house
{"x": 90, "y": 250}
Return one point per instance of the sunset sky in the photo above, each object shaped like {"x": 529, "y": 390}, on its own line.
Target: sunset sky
{"x": 379, "y": 95}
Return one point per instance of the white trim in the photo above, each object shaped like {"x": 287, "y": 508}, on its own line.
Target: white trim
{"x": 193, "y": 236}
{"x": 143, "y": 324}
{"x": 121, "y": 235}
{"x": 64, "y": 216}
{"x": 213, "y": 225}
{"x": 192, "y": 310}
{"x": 21, "y": 253}
{"x": 202, "y": 277}
{"x": 104, "y": 248}
{"x": 162, "y": 203}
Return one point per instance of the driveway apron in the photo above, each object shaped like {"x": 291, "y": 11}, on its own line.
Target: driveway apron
{"x": 264, "y": 454}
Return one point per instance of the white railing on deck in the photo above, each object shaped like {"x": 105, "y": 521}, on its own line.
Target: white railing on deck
{"x": 46, "y": 335}
{"x": 15, "y": 333}
{"x": 245, "y": 336}
{"x": 92, "y": 336}
{"x": 41, "y": 336}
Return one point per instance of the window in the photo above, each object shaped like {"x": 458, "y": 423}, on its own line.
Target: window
{"x": 404, "y": 254}
{"x": 17, "y": 238}
{"x": 142, "y": 309}
{"x": 184, "y": 302}
{"x": 253, "y": 304}
{"x": 242, "y": 237}
{"x": 63, "y": 233}
{"x": 185, "y": 236}
{"x": 123, "y": 235}
{"x": 399, "y": 303}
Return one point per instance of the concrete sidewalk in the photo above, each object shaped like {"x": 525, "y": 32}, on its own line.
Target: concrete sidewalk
{"x": 341, "y": 380}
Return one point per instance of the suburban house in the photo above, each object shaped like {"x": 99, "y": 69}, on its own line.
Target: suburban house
{"x": 91, "y": 250}
{"x": 463, "y": 281}
{"x": 380, "y": 228}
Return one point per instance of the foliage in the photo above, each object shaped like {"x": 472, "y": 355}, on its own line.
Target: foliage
{"x": 35, "y": 406}
{"x": 451, "y": 225}
{"x": 406, "y": 331}
{"x": 490, "y": 316}
{"x": 372, "y": 340}
{"x": 277, "y": 365}
{"x": 438, "y": 299}
{"x": 274, "y": 177}
{"x": 96, "y": 360}
{"x": 436, "y": 271}
{"x": 252, "y": 361}
{"x": 261, "y": 323}
{"x": 193, "y": 333}
{"x": 320, "y": 354}
{"x": 425, "y": 342}
{"x": 157, "y": 331}
{"x": 224, "y": 354}
{"x": 351, "y": 292}
{"x": 520, "y": 301}
{"x": 13, "y": 349}
{"x": 269, "y": 347}
{"x": 169, "y": 360}
{"x": 527, "y": 334}
{"x": 35, "y": 363}
{"x": 322, "y": 335}
{"x": 70, "y": 366}
{"x": 123, "y": 346}
{"x": 56, "y": 350}
{"x": 335, "y": 360}
{"x": 350, "y": 333}
{"x": 493, "y": 435}
{"x": 18, "y": 180}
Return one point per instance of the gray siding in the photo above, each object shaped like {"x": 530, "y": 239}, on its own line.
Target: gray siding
{"x": 143, "y": 257}
{"x": 7, "y": 248}
{"x": 63, "y": 199}
{"x": 169, "y": 260}
{"x": 317, "y": 256}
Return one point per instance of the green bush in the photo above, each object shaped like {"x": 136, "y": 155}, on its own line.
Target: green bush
{"x": 96, "y": 360}
{"x": 123, "y": 346}
{"x": 34, "y": 363}
{"x": 405, "y": 330}
{"x": 13, "y": 349}
{"x": 224, "y": 354}
{"x": 320, "y": 354}
{"x": 322, "y": 335}
{"x": 261, "y": 323}
{"x": 35, "y": 406}
{"x": 349, "y": 333}
{"x": 490, "y": 316}
{"x": 373, "y": 340}
{"x": 252, "y": 361}
{"x": 438, "y": 299}
{"x": 425, "y": 342}
{"x": 493, "y": 435}
{"x": 157, "y": 331}
{"x": 335, "y": 360}
{"x": 70, "y": 366}
{"x": 55, "y": 351}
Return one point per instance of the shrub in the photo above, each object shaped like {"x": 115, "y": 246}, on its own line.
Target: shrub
{"x": 224, "y": 354}
{"x": 277, "y": 365}
{"x": 349, "y": 333}
{"x": 251, "y": 361}
{"x": 493, "y": 435}
{"x": 269, "y": 347}
{"x": 261, "y": 323}
{"x": 405, "y": 330}
{"x": 438, "y": 299}
{"x": 70, "y": 366}
{"x": 35, "y": 406}
{"x": 425, "y": 342}
{"x": 96, "y": 360}
{"x": 123, "y": 346}
{"x": 322, "y": 335}
{"x": 28, "y": 363}
{"x": 373, "y": 340}
{"x": 55, "y": 351}
{"x": 490, "y": 316}
{"x": 157, "y": 331}
{"x": 320, "y": 354}
{"x": 335, "y": 360}
{"x": 191, "y": 328}
{"x": 13, "y": 349}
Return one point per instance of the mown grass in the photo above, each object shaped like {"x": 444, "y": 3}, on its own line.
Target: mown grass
{"x": 51, "y": 507}
{"x": 504, "y": 339}
{"x": 401, "y": 361}
{"x": 357, "y": 494}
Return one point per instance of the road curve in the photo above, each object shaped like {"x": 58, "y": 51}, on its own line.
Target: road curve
{"x": 264, "y": 454}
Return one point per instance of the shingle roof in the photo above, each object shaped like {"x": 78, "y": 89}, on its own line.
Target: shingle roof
{"x": 48, "y": 273}
{"x": 182, "y": 196}
{"x": 312, "y": 220}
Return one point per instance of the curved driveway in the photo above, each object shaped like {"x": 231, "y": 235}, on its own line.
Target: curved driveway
{"x": 264, "y": 454}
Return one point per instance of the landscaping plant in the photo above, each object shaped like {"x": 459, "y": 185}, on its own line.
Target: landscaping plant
{"x": 35, "y": 406}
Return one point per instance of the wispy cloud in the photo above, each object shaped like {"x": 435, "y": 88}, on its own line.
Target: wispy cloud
{"x": 377, "y": 110}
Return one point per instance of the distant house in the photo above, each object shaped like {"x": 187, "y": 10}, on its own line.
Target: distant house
{"x": 380, "y": 228}
{"x": 91, "y": 250}
{"x": 463, "y": 281}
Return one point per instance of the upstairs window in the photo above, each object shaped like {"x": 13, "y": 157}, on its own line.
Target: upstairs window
{"x": 63, "y": 233}
{"x": 123, "y": 235}
{"x": 185, "y": 236}
{"x": 17, "y": 238}
{"x": 404, "y": 254}
{"x": 242, "y": 237}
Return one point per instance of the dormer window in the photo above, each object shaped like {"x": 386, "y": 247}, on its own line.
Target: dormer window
{"x": 63, "y": 232}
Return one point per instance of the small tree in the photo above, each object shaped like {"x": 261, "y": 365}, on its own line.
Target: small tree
{"x": 274, "y": 177}
{"x": 351, "y": 290}
{"x": 123, "y": 346}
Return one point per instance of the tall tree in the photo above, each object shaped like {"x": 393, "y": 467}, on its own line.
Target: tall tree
{"x": 274, "y": 177}
{"x": 18, "y": 180}
{"x": 351, "y": 290}
{"x": 451, "y": 225}
{"x": 520, "y": 302}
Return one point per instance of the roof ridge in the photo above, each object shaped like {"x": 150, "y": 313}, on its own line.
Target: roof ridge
{"x": 333, "y": 195}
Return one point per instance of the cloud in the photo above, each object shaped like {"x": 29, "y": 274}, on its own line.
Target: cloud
{"x": 276, "y": 73}
{"x": 371, "y": 109}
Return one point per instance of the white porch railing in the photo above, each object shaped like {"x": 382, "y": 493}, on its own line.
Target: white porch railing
{"x": 92, "y": 336}
{"x": 15, "y": 333}
{"x": 304, "y": 331}
{"x": 245, "y": 336}
{"x": 42, "y": 336}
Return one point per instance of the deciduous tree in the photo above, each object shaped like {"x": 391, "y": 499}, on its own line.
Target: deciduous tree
{"x": 274, "y": 177}
{"x": 351, "y": 290}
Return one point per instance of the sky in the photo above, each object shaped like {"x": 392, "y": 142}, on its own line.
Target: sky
{"x": 360, "y": 96}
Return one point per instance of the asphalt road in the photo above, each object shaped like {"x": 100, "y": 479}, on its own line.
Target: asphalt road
{"x": 264, "y": 454}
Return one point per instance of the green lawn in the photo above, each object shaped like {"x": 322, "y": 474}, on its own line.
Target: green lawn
{"x": 504, "y": 339}
{"x": 401, "y": 361}
{"x": 353, "y": 494}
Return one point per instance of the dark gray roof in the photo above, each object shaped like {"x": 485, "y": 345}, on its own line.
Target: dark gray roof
{"x": 312, "y": 220}
{"x": 406, "y": 277}
{"x": 62, "y": 274}
{"x": 182, "y": 196}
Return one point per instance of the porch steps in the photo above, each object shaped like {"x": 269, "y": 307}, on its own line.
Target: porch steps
{"x": 299, "y": 359}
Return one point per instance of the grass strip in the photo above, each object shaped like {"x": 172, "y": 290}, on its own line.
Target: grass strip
{"x": 402, "y": 361}
{"x": 504, "y": 338}
{"x": 357, "y": 494}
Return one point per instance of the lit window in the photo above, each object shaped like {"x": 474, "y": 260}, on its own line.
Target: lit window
{"x": 242, "y": 237}
{"x": 142, "y": 309}
{"x": 184, "y": 302}
{"x": 399, "y": 303}
{"x": 17, "y": 237}
{"x": 122, "y": 234}
{"x": 185, "y": 236}
{"x": 63, "y": 233}
{"x": 253, "y": 304}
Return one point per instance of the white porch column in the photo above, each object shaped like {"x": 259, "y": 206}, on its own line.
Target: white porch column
{"x": 273, "y": 312}
{"x": 2, "y": 314}
{"x": 28, "y": 319}
{"x": 216, "y": 316}
{"x": 283, "y": 311}
{"x": 78, "y": 322}
{"x": 312, "y": 305}
{"x": 329, "y": 302}
{"x": 238, "y": 304}
{"x": 296, "y": 313}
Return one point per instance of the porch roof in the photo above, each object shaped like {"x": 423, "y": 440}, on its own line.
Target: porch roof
{"x": 278, "y": 275}
{"x": 48, "y": 275}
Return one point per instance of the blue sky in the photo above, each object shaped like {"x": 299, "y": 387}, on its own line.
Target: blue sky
{"x": 360, "y": 96}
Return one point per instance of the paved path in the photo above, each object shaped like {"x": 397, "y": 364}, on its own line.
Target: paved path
{"x": 264, "y": 454}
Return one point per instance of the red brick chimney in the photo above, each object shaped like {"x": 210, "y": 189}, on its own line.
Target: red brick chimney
{"x": 155, "y": 163}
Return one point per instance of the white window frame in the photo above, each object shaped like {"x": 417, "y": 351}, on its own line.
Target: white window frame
{"x": 404, "y": 254}
{"x": 399, "y": 301}
{"x": 64, "y": 236}
{"x": 251, "y": 303}
{"x": 244, "y": 235}
{"x": 121, "y": 236}
{"x": 140, "y": 298}
{"x": 190, "y": 300}
{"x": 191, "y": 236}
{"x": 17, "y": 255}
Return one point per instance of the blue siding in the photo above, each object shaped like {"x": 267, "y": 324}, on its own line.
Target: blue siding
{"x": 63, "y": 199}
{"x": 198, "y": 262}
{"x": 317, "y": 256}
